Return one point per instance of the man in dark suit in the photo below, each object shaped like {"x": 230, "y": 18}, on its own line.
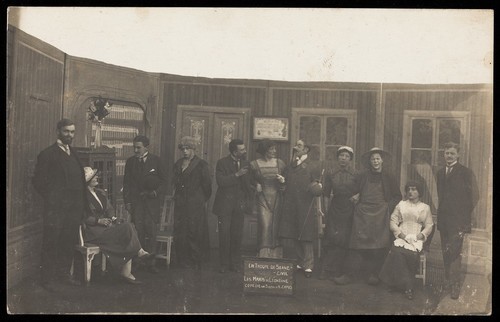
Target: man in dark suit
{"x": 144, "y": 186}
{"x": 298, "y": 221}
{"x": 60, "y": 180}
{"x": 230, "y": 203}
{"x": 458, "y": 196}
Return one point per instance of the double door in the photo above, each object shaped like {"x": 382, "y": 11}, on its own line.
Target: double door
{"x": 213, "y": 128}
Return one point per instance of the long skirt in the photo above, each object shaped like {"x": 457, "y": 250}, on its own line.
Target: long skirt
{"x": 399, "y": 268}
{"x": 119, "y": 243}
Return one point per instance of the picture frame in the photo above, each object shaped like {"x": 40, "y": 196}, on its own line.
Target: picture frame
{"x": 269, "y": 127}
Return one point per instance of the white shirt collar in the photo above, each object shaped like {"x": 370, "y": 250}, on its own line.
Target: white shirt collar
{"x": 59, "y": 142}
{"x": 451, "y": 165}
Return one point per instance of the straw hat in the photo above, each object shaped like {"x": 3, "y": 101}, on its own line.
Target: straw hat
{"x": 365, "y": 158}
{"x": 89, "y": 173}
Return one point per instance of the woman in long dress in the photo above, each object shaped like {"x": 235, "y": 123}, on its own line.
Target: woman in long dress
{"x": 411, "y": 224}
{"x": 117, "y": 240}
{"x": 269, "y": 184}
{"x": 339, "y": 181}
{"x": 378, "y": 195}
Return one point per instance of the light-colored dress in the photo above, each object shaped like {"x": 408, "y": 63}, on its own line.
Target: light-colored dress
{"x": 411, "y": 219}
{"x": 268, "y": 205}
{"x": 401, "y": 263}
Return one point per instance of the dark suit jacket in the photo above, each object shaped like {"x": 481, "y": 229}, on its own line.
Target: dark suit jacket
{"x": 232, "y": 192}
{"x": 298, "y": 220}
{"x": 50, "y": 179}
{"x": 458, "y": 195}
{"x": 152, "y": 178}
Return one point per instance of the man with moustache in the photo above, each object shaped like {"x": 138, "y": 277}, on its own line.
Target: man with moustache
{"x": 458, "y": 196}
{"x": 298, "y": 221}
{"x": 60, "y": 180}
{"x": 231, "y": 174}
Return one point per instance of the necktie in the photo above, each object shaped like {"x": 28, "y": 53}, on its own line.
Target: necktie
{"x": 448, "y": 170}
{"x": 141, "y": 163}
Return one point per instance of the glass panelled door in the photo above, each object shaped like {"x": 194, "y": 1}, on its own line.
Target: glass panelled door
{"x": 214, "y": 128}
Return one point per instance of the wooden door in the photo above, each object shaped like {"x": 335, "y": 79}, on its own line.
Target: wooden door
{"x": 214, "y": 128}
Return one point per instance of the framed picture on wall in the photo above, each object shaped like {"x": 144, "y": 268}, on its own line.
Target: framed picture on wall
{"x": 267, "y": 127}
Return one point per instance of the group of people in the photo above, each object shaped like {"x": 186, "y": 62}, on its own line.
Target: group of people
{"x": 365, "y": 213}
{"x": 368, "y": 216}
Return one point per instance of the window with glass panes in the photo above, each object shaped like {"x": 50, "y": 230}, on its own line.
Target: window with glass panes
{"x": 423, "y": 146}
{"x": 324, "y": 130}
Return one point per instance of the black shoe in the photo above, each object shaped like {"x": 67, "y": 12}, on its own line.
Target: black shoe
{"x": 234, "y": 269}
{"x": 222, "y": 270}
{"x": 153, "y": 269}
{"x": 409, "y": 294}
{"x": 308, "y": 272}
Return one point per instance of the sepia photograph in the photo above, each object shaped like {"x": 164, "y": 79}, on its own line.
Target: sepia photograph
{"x": 249, "y": 161}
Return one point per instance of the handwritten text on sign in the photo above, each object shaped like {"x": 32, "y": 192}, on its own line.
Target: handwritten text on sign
{"x": 266, "y": 275}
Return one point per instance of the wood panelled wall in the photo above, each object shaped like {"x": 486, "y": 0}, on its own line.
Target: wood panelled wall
{"x": 471, "y": 98}
{"x": 38, "y": 74}
{"x": 268, "y": 98}
{"x": 35, "y": 94}
{"x": 207, "y": 94}
{"x": 363, "y": 100}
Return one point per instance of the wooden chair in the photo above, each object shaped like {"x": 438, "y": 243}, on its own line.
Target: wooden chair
{"x": 88, "y": 251}
{"x": 165, "y": 232}
{"x": 422, "y": 270}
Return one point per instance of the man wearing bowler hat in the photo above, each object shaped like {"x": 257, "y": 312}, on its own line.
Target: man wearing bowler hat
{"x": 144, "y": 186}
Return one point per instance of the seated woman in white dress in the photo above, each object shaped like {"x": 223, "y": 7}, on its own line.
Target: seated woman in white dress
{"x": 117, "y": 240}
{"x": 411, "y": 223}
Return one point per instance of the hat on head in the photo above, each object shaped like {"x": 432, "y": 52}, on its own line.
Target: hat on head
{"x": 89, "y": 173}
{"x": 347, "y": 149}
{"x": 189, "y": 142}
{"x": 367, "y": 155}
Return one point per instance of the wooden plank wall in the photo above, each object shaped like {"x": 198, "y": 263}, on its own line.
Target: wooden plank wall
{"x": 475, "y": 99}
{"x": 207, "y": 94}
{"x": 36, "y": 74}
{"x": 361, "y": 98}
{"x": 35, "y": 105}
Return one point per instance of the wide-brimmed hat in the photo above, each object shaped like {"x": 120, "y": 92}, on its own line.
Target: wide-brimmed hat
{"x": 365, "y": 158}
{"x": 89, "y": 173}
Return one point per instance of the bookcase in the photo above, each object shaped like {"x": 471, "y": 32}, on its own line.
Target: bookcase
{"x": 124, "y": 122}
{"x": 104, "y": 160}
